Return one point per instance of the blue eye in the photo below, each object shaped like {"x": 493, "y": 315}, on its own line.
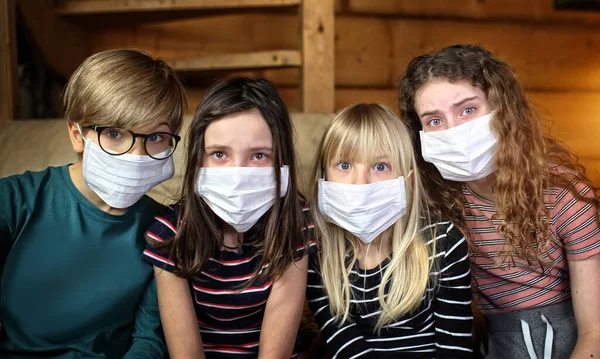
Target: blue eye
{"x": 155, "y": 137}
{"x": 345, "y": 166}
{"x": 469, "y": 111}
{"x": 381, "y": 167}
{"x": 113, "y": 134}
{"x": 434, "y": 122}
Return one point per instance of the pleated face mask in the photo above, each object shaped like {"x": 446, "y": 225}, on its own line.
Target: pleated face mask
{"x": 365, "y": 210}
{"x": 120, "y": 181}
{"x": 462, "y": 153}
{"x": 240, "y": 195}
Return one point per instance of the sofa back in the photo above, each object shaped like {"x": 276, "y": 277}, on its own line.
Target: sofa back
{"x": 36, "y": 144}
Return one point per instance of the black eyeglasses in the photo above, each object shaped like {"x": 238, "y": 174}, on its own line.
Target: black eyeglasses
{"x": 117, "y": 141}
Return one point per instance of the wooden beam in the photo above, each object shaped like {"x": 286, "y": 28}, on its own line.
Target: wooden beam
{"x": 245, "y": 60}
{"x": 572, "y": 118}
{"x": 9, "y": 82}
{"x": 63, "y": 45}
{"x": 373, "y": 52}
{"x": 74, "y": 7}
{"x": 530, "y": 10}
{"x": 545, "y": 57}
{"x": 317, "y": 79}
{"x": 204, "y": 35}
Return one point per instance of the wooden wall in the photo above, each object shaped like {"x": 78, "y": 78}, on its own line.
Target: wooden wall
{"x": 556, "y": 54}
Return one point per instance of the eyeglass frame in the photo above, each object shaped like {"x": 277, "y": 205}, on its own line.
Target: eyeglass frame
{"x": 99, "y": 129}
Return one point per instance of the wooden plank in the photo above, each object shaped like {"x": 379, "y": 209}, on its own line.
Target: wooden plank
{"x": 317, "y": 80}
{"x": 9, "y": 84}
{"x": 64, "y": 45}
{"x": 290, "y": 95}
{"x": 70, "y": 7}
{"x": 529, "y": 10}
{"x": 205, "y": 35}
{"x": 573, "y": 118}
{"x": 373, "y": 52}
{"x": 245, "y": 60}
{"x": 546, "y": 57}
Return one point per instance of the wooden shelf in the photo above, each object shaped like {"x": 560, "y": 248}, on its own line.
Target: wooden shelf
{"x": 244, "y": 60}
{"x": 67, "y": 7}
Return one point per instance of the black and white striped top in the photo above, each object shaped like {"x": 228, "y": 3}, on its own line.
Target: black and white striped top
{"x": 439, "y": 328}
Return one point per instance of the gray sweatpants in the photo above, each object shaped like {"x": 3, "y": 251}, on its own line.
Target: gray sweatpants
{"x": 507, "y": 341}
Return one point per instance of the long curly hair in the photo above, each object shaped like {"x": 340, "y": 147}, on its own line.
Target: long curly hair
{"x": 528, "y": 162}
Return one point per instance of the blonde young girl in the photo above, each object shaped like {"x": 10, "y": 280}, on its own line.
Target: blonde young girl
{"x": 386, "y": 281}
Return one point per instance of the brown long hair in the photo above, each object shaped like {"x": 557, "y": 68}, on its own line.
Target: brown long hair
{"x": 527, "y": 161}
{"x": 278, "y": 234}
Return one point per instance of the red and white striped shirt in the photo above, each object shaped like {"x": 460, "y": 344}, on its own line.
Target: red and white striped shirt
{"x": 229, "y": 318}
{"x": 502, "y": 286}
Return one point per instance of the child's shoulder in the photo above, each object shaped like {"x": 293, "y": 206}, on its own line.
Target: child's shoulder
{"x": 165, "y": 223}
{"x": 172, "y": 212}
{"x": 32, "y": 178}
{"x": 446, "y": 236}
{"x": 26, "y": 187}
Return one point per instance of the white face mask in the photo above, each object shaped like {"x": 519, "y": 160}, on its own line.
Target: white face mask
{"x": 122, "y": 180}
{"x": 240, "y": 195}
{"x": 365, "y": 210}
{"x": 462, "y": 153}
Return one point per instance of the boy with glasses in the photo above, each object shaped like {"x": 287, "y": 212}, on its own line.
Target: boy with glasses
{"x": 72, "y": 284}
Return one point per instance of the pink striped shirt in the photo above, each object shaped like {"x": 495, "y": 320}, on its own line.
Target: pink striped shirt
{"x": 505, "y": 287}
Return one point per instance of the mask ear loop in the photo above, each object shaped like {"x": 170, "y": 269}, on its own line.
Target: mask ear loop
{"x": 80, "y": 132}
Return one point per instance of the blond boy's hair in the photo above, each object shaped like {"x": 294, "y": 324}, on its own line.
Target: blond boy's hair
{"x": 124, "y": 88}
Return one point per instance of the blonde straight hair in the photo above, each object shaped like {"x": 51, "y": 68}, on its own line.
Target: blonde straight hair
{"x": 361, "y": 133}
{"x": 125, "y": 88}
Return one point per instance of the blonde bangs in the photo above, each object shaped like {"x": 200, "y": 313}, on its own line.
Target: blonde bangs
{"x": 138, "y": 106}
{"x": 125, "y": 88}
{"x": 362, "y": 133}
{"x": 356, "y": 136}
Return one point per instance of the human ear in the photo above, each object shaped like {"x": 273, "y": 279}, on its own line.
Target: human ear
{"x": 410, "y": 177}
{"x": 76, "y": 137}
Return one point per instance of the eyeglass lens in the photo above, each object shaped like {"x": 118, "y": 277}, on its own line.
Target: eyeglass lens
{"x": 116, "y": 140}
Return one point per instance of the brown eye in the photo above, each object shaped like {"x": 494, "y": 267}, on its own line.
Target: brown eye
{"x": 219, "y": 155}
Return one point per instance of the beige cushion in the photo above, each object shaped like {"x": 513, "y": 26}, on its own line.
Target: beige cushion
{"x": 35, "y": 145}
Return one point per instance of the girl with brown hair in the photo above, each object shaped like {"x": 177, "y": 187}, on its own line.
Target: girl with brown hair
{"x": 229, "y": 258}
{"x": 530, "y": 213}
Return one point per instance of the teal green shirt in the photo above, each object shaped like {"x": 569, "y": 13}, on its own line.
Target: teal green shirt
{"x": 72, "y": 284}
